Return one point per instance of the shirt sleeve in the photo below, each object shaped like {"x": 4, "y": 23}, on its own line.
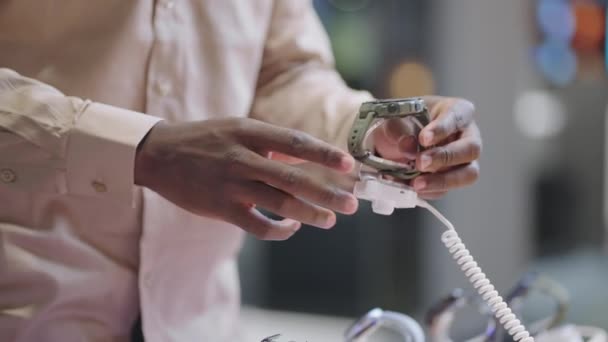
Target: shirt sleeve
{"x": 52, "y": 143}
{"x": 298, "y": 86}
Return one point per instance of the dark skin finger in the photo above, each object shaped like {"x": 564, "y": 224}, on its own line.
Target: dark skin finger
{"x": 459, "y": 152}
{"x": 295, "y": 181}
{"x": 447, "y": 180}
{"x": 286, "y": 205}
{"x": 429, "y": 196}
{"x": 450, "y": 117}
{"x": 251, "y": 220}
{"x": 266, "y": 138}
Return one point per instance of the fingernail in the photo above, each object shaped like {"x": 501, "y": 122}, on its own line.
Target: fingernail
{"x": 425, "y": 161}
{"x": 330, "y": 221}
{"x": 351, "y": 205}
{"x": 296, "y": 226}
{"x": 427, "y": 138}
{"x": 419, "y": 184}
{"x": 347, "y": 162}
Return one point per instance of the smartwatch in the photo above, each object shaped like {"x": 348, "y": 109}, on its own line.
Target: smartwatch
{"x": 371, "y": 115}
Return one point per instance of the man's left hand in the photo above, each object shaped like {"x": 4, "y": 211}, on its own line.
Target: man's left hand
{"x": 455, "y": 145}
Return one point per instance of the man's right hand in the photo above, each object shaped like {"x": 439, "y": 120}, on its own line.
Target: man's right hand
{"x": 220, "y": 169}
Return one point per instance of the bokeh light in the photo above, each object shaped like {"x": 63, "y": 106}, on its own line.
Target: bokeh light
{"x": 539, "y": 114}
{"x": 410, "y": 79}
{"x": 590, "y": 25}
{"x": 556, "y": 19}
{"x": 591, "y": 67}
{"x": 557, "y": 61}
{"x": 355, "y": 46}
{"x": 349, "y": 5}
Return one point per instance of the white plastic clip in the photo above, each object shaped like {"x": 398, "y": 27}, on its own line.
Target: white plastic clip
{"x": 385, "y": 195}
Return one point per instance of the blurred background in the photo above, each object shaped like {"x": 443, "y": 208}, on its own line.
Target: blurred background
{"x": 537, "y": 72}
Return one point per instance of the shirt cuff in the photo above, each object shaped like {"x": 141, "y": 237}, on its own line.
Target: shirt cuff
{"x": 101, "y": 152}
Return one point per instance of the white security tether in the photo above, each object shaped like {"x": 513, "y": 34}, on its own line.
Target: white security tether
{"x": 386, "y": 196}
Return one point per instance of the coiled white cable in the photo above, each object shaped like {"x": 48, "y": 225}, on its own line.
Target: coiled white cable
{"x": 478, "y": 279}
{"x": 386, "y": 195}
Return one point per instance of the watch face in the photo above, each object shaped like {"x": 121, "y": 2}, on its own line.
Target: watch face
{"x": 394, "y": 149}
{"x": 405, "y": 133}
{"x": 409, "y": 143}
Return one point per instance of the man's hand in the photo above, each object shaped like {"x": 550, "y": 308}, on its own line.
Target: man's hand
{"x": 452, "y": 163}
{"x": 220, "y": 169}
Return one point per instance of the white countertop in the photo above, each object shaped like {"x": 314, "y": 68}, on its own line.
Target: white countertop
{"x": 298, "y": 327}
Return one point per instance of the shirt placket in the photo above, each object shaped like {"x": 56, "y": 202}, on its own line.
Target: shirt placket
{"x": 162, "y": 100}
{"x": 163, "y": 73}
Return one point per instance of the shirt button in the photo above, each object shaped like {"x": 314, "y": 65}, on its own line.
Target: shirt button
{"x": 167, "y": 4}
{"x": 8, "y": 176}
{"x": 163, "y": 87}
{"x": 99, "y": 186}
{"x": 148, "y": 279}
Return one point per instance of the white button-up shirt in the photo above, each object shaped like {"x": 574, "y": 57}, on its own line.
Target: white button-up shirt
{"x": 83, "y": 250}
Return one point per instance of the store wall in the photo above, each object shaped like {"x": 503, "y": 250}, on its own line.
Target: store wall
{"x": 479, "y": 49}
